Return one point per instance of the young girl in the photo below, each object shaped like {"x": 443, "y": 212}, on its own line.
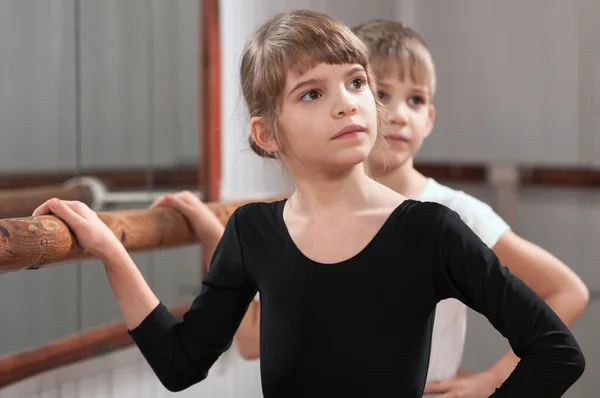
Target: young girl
{"x": 349, "y": 272}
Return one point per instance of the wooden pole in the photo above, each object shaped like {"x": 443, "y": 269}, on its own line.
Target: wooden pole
{"x": 36, "y": 242}
{"x": 66, "y": 351}
{"x": 210, "y": 78}
{"x": 22, "y": 202}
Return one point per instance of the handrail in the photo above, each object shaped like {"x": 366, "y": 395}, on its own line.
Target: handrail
{"x": 23, "y": 201}
{"x": 86, "y": 345}
{"x": 36, "y": 242}
{"x": 89, "y": 190}
{"x": 527, "y": 175}
{"x": 185, "y": 176}
{"x": 188, "y": 177}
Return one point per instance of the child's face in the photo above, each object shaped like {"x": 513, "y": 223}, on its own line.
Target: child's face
{"x": 317, "y": 107}
{"x": 410, "y": 118}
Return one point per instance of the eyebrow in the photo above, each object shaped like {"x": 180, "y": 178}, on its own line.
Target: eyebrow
{"x": 311, "y": 82}
{"x": 421, "y": 91}
{"x": 418, "y": 90}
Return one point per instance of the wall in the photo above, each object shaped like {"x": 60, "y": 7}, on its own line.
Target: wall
{"x": 516, "y": 80}
{"x": 99, "y": 84}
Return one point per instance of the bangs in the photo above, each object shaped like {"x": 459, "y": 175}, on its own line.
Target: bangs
{"x": 302, "y": 46}
{"x": 301, "y": 58}
{"x": 410, "y": 62}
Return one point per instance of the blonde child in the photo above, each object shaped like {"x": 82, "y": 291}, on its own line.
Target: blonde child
{"x": 406, "y": 79}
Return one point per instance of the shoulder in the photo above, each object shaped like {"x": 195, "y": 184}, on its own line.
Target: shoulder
{"x": 257, "y": 221}
{"x": 478, "y": 215}
{"x": 421, "y": 217}
{"x": 257, "y": 213}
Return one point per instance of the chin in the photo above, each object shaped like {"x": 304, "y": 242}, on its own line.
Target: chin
{"x": 351, "y": 158}
{"x": 397, "y": 160}
{"x": 390, "y": 160}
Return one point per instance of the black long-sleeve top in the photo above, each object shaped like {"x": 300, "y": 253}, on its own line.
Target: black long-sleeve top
{"x": 361, "y": 327}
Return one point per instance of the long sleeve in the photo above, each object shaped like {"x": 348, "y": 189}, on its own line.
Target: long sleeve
{"x": 466, "y": 269}
{"x": 181, "y": 353}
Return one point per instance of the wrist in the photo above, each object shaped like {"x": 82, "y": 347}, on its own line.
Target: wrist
{"x": 211, "y": 232}
{"x": 494, "y": 377}
{"x": 112, "y": 254}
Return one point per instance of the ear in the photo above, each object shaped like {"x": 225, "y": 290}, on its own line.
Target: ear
{"x": 430, "y": 119}
{"x": 262, "y": 135}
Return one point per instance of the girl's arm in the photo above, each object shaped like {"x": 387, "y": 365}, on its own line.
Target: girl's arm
{"x": 466, "y": 269}
{"x": 549, "y": 277}
{"x": 247, "y": 338}
{"x": 180, "y": 352}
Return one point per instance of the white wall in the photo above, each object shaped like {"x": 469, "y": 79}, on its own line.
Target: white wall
{"x": 516, "y": 79}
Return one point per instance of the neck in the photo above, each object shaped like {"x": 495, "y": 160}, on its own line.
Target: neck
{"x": 405, "y": 179}
{"x": 323, "y": 193}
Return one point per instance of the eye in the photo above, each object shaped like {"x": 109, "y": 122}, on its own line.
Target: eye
{"x": 357, "y": 83}
{"x": 310, "y": 95}
{"x": 382, "y": 96}
{"x": 416, "y": 100}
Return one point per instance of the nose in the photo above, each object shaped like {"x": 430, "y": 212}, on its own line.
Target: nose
{"x": 398, "y": 113}
{"x": 346, "y": 105}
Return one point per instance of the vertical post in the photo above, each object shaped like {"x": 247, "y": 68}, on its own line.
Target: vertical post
{"x": 209, "y": 81}
{"x": 210, "y": 86}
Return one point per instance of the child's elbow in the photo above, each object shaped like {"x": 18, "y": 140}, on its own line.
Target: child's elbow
{"x": 579, "y": 364}
{"x": 179, "y": 382}
{"x": 574, "y": 364}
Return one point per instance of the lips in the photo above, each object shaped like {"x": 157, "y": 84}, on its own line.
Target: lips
{"x": 349, "y": 130}
{"x": 396, "y": 138}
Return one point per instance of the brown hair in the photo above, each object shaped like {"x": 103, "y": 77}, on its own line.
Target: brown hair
{"x": 396, "y": 48}
{"x": 296, "y": 41}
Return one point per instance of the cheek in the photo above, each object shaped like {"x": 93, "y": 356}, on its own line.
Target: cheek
{"x": 298, "y": 132}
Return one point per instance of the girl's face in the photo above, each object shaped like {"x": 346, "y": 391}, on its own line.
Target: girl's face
{"x": 327, "y": 120}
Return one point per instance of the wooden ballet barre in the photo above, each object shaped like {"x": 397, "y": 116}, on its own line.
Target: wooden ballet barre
{"x": 89, "y": 190}
{"x": 36, "y": 242}
{"x": 84, "y": 345}
{"x": 23, "y": 201}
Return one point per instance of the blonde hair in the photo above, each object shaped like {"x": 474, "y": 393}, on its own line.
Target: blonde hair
{"x": 395, "y": 48}
{"x": 293, "y": 41}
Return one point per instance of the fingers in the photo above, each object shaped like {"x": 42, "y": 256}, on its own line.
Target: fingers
{"x": 43, "y": 209}
{"x": 68, "y": 212}
{"x": 188, "y": 209}
{"x": 161, "y": 201}
{"x": 185, "y": 202}
{"x": 184, "y": 196}
{"x": 73, "y": 213}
